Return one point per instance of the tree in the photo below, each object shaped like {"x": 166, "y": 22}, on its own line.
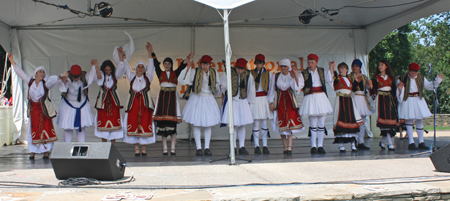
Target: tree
{"x": 396, "y": 48}
{"x": 431, "y": 45}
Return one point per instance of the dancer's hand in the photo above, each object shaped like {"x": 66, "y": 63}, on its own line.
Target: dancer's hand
{"x": 441, "y": 76}
{"x": 272, "y": 107}
{"x": 11, "y": 60}
{"x": 400, "y": 86}
{"x": 332, "y": 65}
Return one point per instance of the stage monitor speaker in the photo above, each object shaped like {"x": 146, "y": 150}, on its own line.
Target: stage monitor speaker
{"x": 98, "y": 160}
{"x": 441, "y": 158}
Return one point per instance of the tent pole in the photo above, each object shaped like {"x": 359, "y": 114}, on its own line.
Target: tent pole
{"x": 229, "y": 87}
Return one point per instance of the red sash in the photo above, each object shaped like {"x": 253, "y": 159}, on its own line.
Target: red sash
{"x": 42, "y": 130}
{"x": 261, "y": 93}
{"x": 108, "y": 119}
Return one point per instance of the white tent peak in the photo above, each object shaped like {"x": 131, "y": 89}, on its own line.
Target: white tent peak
{"x": 224, "y": 4}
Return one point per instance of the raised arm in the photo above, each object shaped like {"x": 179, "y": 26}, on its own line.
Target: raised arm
{"x": 18, "y": 69}
{"x": 151, "y": 64}
{"x": 184, "y": 64}
{"x": 429, "y": 85}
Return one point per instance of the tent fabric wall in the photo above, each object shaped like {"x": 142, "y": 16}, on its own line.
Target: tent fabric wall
{"x": 57, "y": 50}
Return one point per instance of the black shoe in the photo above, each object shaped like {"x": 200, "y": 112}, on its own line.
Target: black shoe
{"x": 412, "y": 146}
{"x": 207, "y": 152}
{"x": 289, "y": 152}
{"x": 423, "y": 146}
{"x": 144, "y": 153}
{"x": 342, "y": 150}
{"x": 31, "y": 157}
{"x": 354, "y": 150}
{"x": 314, "y": 150}
{"x": 391, "y": 149}
{"x": 243, "y": 151}
{"x": 362, "y": 146}
{"x": 199, "y": 152}
{"x": 321, "y": 150}
{"x": 257, "y": 150}
{"x": 266, "y": 150}
{"x": 45, "y": 157}
{"x": 173, "y": 152}
{"x": 382, "y": 146}
{"x": 165, "y": 153}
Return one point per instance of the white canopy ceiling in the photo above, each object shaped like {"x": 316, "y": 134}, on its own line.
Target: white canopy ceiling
{"x": 378, "y": 20}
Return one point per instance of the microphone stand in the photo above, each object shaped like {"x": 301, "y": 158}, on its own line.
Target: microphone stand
{"x": 435, "y": 103}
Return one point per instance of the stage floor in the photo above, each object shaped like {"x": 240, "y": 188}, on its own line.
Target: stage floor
{"x": 16, "y": 157}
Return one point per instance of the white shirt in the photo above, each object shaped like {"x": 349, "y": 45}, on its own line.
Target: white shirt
{"x": 188, "y": 78}
{"x": 168, "y": 84}
{"x": 73, "y": 87}
{"x": 36, "y": 91}
{"x": 413, "y": 86}
{"x": 270, "y": 93}
{"x": 139, "y": 82}
{"x": 285, "y": 82}
{"x": 120, "y": 70}
{"x": 316, "y": 78}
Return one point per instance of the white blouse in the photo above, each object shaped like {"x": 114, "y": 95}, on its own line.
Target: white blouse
{"x": 73, "y": 87}
{"x": 285, "y": 82}
{"x": 139, "y": 83}
{"x": 316, "y": 78}
{"x": 251, "y": 92}
{"x": 36, "y": 90}
{"x": 120, "y": 70}
{"x": 188, "y": 78}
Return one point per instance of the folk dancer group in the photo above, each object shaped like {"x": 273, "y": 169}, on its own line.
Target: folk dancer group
{"x": 258, "y": 96}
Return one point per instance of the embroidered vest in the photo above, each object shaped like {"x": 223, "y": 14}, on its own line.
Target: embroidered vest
{"x": 172, "y": 79}
{"x": 100, "y": 104}
{"x": 342, "y": 84}
{"x": 407, "y": 80}
{"x": 352, "y": 78}
{"x": 241, "y": 84}
{"x": 278, "y": 94}
{"x": 83, "y": 79}
{"x": 46, "y": 103}
{"x": 198, "y": 80}
{"x": 308, "y": 80}
{"x": 148, "y": 102}
{"x": 383, "y": 83}
{"x": 263, "y": 80}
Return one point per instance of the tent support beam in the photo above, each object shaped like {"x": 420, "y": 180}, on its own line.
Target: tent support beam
{"x": 5, "y": 25}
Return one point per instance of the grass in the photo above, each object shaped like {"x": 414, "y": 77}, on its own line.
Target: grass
{"x": 440, "y": 128}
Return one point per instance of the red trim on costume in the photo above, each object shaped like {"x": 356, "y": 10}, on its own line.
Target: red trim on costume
{"x": 342, "y": 84}
{"x": 140, "y": 118}
{"x": 42, "y": 130}
{"x": 261, "y": 93}
{"x": 108, "y": 119}
{"x": 288, "y": 116}
{"x": 172, "y": 79}
{"x": 315, "y": 90}
{"x": 383, "y": 83}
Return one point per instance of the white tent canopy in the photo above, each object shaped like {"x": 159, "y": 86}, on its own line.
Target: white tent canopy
{"x": 39, "y": 34}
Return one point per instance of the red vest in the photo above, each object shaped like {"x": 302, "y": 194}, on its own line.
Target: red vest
{"x": 342, "y": 84}
{"x": 383, "y": 83}
{"x": 173, "y": 77}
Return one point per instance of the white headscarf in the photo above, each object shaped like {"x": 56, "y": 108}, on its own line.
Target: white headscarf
{"x": 38, "y": 69}
{"x": 127, "y": 48}
{"x": 286, "y": 62}
{"x": 141, "y": 62}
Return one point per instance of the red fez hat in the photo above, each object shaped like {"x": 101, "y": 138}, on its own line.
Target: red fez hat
{"x": 313, "y": 56}
{"x": 241, "y": 62}
{"x": 414, "y": 67}
{"x": 75, "y": 70}
{"x": 206, "y": 59}
{"x": 260, "y": 57}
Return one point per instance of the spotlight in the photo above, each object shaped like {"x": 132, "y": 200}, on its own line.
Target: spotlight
{"x": 306, "y": 16}
{"x": 105, "y": 9}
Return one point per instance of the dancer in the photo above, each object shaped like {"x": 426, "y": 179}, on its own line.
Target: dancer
{"x": 167, "y": 112}
{"x": 315, "y": 104}
{"x": 284, "y": 105}
{"x": 412, "y": 105}
{"x": 361, "y": 98}
{"x": 138, "y": 121}
{"x": 346, "y": 119}
{"x": 260, "y": 109}
{"x": 383, "y": 85}
{"x": 243, "y": 92}
{"x": 201, "y": 109}
{"x": 41, "y": 132}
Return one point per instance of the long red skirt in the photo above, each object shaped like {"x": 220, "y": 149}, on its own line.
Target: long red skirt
{"x": 139, "y": 118}
{"x": 288, "y": 116}
{"x": 42, "y": 130}
{"x": 108, "y": 119}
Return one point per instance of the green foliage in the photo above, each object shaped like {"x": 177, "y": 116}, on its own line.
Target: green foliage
{"x": 424, "y": 41}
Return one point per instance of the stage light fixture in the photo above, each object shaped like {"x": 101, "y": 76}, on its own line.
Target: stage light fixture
{"x": 306, "y": 16}
{"x": 105, "y": 9}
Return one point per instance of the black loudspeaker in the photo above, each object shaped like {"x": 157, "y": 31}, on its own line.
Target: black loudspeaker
{"x": 98, "y": 160}
{"x": 441, "y": 158}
